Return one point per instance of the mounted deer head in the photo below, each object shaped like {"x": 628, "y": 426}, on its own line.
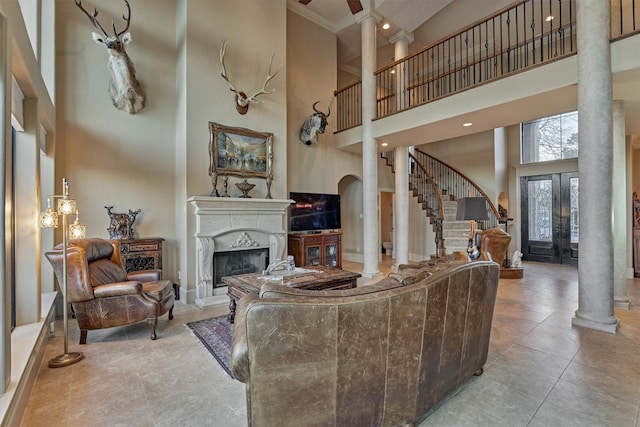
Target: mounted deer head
{"x": 124, "y": 90}
{"x": 242, "y": 100}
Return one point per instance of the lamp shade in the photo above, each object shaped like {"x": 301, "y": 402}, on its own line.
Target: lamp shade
{"x": 49, "y": 219}
{"x": 77, "y": 230}
{"x": 472, "y": 208}
{"x": 66, "y": 206}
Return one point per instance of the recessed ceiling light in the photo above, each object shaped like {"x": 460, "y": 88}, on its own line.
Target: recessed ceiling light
{"x": 467, "y": 124}
{"x": 384, "y": 144}
{"x": 549, "y": 18}
{"x": 385, "y": 26}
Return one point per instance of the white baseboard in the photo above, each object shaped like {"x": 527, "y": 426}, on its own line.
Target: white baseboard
{"x": 353, "y": 257}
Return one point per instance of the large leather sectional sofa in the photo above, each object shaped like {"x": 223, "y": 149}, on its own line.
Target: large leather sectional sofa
{"x": 376, "y": 355}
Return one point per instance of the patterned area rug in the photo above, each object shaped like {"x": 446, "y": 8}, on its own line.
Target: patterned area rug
{"x": 215, "y": 334}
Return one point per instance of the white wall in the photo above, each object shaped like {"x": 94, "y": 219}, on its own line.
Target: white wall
{"x": 311, "y": 77}
{"x": 111, "y": 157}
{"x": 471, "y": 155}
{"x": 320, "y": 167}
{"x": 255, "y": 31}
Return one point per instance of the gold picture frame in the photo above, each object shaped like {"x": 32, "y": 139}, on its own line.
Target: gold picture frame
{"x": 240, "y": 152}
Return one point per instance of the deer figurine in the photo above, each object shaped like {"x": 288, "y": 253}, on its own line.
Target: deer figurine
{"x": 242, "y": 100}
{"x": 124, "y": 90}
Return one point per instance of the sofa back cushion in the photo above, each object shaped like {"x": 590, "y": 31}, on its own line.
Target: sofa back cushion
{"x": 94, "y": 248}
{"x": 105, "y": 271}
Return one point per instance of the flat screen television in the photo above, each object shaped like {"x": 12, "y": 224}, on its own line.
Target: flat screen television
{"x": 314, "y": 212}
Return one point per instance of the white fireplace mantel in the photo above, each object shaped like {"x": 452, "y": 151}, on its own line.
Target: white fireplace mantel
{"x": 228, "y": 224}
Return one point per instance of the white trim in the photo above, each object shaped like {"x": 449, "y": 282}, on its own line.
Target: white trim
{"x": 17, "y": 109}
{"x": 28, "y": 344}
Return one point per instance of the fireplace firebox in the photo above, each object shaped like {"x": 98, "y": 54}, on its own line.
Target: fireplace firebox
{"x": 232, "y": 263}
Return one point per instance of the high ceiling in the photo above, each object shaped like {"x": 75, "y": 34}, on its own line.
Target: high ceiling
{"x": 410, "y": 16}
{"x": 429, "y": 21}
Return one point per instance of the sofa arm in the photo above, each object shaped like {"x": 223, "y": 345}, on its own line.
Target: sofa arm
{"x": 117, "y": 289}
{"x": 239, "y": 363}
{"x": 145, "y": 275}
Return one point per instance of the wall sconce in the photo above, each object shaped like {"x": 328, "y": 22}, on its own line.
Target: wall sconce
{"x": 49, "y": 219}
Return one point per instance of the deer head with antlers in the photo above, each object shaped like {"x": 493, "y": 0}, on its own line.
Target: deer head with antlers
{"x": 124, "y": 89}
{"x": 242, "y": 100}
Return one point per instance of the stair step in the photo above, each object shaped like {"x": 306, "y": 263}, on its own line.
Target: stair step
{"x": 455, "y": 234}
{"x": 456, "y": 241}
{"x": 455, "y": 225}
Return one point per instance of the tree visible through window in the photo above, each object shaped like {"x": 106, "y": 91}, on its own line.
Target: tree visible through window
{"x": 550, "y": 138}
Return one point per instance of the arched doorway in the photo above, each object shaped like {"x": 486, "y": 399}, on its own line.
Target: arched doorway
{"x": 351, "y": 207}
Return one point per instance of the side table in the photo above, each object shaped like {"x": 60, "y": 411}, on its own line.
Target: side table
{"x": 143, "y": 254}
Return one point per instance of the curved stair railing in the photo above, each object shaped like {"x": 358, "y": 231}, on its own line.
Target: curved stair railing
{"x": 455, "y": 184}
{"x": 432, "y": 182}
{"x": 424, "y": 188}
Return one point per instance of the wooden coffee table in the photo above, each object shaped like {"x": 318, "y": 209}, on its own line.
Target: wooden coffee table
{"x": 322, "y": 278}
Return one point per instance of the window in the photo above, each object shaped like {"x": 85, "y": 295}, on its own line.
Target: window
{"x": 550, "y": 138}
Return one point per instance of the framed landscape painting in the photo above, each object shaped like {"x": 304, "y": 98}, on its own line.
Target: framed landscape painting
{"x": 240, "y": 152}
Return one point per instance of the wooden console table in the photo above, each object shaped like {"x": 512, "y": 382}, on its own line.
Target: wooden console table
{"x": 324, "y": 278}
{"x": 323, "y": 249}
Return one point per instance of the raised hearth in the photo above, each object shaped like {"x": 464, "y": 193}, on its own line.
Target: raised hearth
{"x": 225, "y": 224}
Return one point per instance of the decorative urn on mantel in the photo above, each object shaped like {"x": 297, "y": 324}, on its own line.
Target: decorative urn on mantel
{"x": 225, "y": 224}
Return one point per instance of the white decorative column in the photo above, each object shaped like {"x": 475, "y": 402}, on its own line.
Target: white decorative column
{"x": 401, "y": 207}
{"x": 595, "y": 164}
{"x": 370, "y": 201}
{"x": 401, "y": 42}
{"x": 619, "y": 205}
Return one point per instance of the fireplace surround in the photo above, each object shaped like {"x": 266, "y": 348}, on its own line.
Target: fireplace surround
{"x": 225, "y": 224}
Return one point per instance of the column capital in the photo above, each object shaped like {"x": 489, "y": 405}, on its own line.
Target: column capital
{"x": 368, "y": 15}
{"x": 401, "y": 35}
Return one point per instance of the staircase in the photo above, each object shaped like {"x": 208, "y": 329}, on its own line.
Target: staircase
{"x": 454, "y": 232}
{"x": 436, "y": 186}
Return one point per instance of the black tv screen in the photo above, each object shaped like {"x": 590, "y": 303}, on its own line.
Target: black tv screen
{"x": 314, "y": 212}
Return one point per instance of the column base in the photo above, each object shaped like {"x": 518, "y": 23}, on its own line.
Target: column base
{"x": 611, "y": 328}
{"x": 371, "y": 274}
{"x": 623, "y": 303}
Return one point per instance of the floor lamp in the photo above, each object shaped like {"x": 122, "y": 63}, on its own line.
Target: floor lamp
{"x": 49, "y": 219}
{"x": 472, "y": 209}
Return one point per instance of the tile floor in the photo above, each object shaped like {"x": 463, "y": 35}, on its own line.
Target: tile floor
{"x": 541, "y": 371}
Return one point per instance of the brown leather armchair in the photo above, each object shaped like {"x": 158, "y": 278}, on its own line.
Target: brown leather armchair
{"x": 103, "y": 294}
{"x": 494, "y": 243}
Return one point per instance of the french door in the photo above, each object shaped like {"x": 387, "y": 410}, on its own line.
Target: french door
{"x": 550, "y": 218}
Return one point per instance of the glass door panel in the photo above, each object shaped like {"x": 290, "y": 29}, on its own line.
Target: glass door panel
{"x": 550, "y": 218}
{"x": 313, "y": 255}
{"x": 331, "y": 255}
{"x": 570, "y": 186}
{"x": 538, "y": 211}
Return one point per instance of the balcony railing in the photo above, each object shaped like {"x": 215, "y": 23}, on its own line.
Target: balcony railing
{"x": 522, "y": 36}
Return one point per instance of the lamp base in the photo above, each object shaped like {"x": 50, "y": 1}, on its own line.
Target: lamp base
{"x": 66, "y": 359}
